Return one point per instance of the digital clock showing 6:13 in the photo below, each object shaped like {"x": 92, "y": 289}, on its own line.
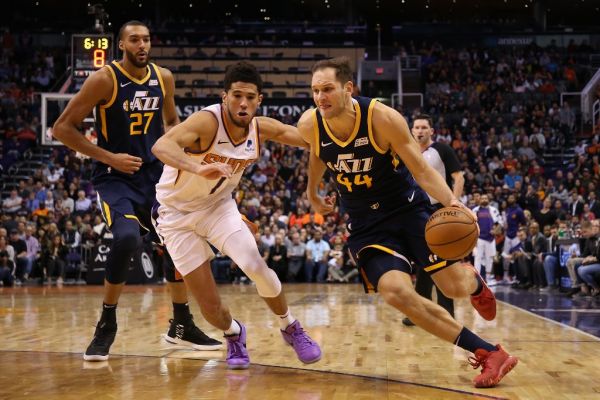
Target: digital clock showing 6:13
{"x": 90, "y": 52}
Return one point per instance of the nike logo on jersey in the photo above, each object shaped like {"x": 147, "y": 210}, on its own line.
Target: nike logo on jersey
{"x": 222, "y": 141}
{"x": 125, "y": 84}
{"x": 410, "y": 199}
{"x": 323, "y": 144}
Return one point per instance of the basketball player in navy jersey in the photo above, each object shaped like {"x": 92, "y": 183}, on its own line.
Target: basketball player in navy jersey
{"x": 133, "y": 101}
{"x": 357, "y": 141}
{"x": 444, "y": 160}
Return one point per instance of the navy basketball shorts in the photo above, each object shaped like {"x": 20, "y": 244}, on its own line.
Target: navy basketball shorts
{"x": 395, "y": 241}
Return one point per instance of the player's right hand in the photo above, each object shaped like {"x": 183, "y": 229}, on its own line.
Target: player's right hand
{"x": 459, "y": 204}
{"x": 215, "y": 171}
{"x": 323, "y": 205}
{"x": 125, "y": 163}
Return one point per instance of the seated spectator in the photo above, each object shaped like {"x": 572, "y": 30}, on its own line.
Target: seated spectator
{"x": 7, "y": 269}
{"x": 317, "y": 256}
{"x": 521, "y": 256}
{"x": 589, "y": 231}
{"x": 341, "y": 265}
{"x": 21, "y": 260}
{"x": 82, "y": 204}
{"x": 296, "y": 257}
{"x": 4, "y": 246}
{"x": 278, "y": 260}
{"x": 539, "y": 247}
{"x": 13, "y": 203}
{"x": 55, "y": 261}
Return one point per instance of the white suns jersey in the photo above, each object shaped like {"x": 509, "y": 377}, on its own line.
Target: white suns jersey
{"x": 189, "y": 192}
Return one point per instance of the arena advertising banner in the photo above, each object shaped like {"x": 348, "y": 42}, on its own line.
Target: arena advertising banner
{"x": 141, "y": 268}
{"x": 282, "y": 107}
{"x": 53, "y": 104}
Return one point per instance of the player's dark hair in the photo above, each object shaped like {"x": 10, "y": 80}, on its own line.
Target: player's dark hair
{"x": 425, "y": 117}
{"x": 341, "y": 65}
{"x": 133, "y": 22}
{"x": 242, "y": 72}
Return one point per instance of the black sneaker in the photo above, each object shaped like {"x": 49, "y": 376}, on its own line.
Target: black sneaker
{"x": 104, "y": 336}
{"x": 189, "y": 334}
{"x": 407, "y": 322}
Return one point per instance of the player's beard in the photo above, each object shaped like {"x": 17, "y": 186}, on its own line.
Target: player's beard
{"x": 133, "y": 58}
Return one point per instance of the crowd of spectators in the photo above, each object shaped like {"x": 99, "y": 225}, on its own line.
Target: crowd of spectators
{"x": 499, "y": 110}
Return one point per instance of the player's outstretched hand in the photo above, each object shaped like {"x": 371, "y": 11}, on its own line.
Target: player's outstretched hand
{"x": 323, "y": 205}
{"x": 459, "y": 204}
{"x": 125, "y": 163}
{"x": 215, "y": 171}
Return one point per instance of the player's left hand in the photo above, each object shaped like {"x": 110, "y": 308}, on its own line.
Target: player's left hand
{"x": 324, "y": 205}
{"x": 459, "y": 204}
{"x": 215, "y": 170}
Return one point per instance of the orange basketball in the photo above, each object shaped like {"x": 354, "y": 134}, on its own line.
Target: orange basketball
{"x": 451, "y": 233}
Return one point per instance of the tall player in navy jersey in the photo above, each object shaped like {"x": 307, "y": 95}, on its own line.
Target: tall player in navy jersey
{"x": 357, "y": 141}
{"x": 133, "y": 103}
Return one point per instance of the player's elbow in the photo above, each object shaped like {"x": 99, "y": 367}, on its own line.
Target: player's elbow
{"x": 58, "y": 129}
{"x": 157, "y": 148}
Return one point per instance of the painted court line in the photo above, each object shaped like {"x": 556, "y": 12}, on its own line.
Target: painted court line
{"x": 596, "y": 339}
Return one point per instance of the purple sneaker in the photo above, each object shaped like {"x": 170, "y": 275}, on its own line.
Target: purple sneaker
{"x": 237, "y": 355}
{"x": 308, "y": 350}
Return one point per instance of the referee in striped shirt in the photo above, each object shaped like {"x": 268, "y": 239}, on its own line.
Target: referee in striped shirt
{"x": 444, "y": 160}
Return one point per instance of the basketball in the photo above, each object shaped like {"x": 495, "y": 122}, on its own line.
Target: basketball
{"x": 451, "y": 233}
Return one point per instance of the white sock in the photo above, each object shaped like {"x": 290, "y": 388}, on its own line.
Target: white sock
{"x": 234, "y": 329}
{"x": 286, "y": 320}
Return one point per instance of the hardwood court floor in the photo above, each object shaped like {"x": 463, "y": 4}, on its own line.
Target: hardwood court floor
{"x": 367, "y": 352}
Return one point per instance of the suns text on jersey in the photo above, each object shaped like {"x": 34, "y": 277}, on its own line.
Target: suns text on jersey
{"x": 236, "y": 164}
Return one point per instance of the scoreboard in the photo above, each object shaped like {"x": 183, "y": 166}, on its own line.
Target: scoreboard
{"x": 90, "y": 52}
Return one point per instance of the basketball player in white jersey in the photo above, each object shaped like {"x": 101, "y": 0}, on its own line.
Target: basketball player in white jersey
{"x": 205, "y": 157}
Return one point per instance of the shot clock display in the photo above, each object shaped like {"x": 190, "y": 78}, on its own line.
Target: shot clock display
{"x": 90, "y": 52}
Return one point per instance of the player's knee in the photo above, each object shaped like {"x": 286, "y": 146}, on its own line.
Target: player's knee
{"x": 116, "y": 273}
{"x": 451, "y": 289}
{"x": 127, "y": 241}
{"x": 268, "y": 284}
{"x": 396, "y": 293}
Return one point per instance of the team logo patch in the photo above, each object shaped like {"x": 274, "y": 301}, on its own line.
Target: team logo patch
{"x": 153, "y": 82}
{"x": 433, "y": 258}
{"x": 363, "y": 141}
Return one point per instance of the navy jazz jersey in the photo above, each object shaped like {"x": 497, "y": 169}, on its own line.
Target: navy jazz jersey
{"x": 368, "y": 178}
{"x": 131, "y": 122}
{"x": 388, "y": 211}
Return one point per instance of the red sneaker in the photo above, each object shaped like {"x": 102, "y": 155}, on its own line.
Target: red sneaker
{"x": 495, "y": 364}
{"x": 485, "y": 301}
